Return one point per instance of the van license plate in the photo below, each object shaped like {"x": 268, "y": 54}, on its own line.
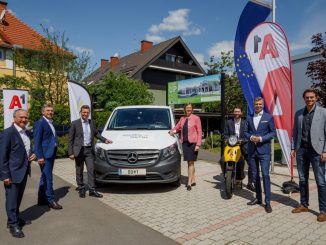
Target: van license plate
{"x": 132, "y": 172}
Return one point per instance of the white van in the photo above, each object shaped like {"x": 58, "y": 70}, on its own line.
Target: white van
{"x": 142, "y": 150}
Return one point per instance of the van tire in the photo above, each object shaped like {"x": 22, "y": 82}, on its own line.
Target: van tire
{"x": 177, "y": 183}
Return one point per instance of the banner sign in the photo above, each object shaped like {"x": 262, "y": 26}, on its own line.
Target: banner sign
{"x": 13, "y": 99}
{"x": 195, "y": 90}
{"x": 268, "y": 51}
{"x": 255, "y": 12}
{"x": 78, "y": 96}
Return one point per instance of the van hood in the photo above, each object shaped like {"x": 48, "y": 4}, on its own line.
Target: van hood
{"x": 140, "y": 139}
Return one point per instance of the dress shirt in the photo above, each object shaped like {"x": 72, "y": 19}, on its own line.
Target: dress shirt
{"x": 50, "y": 122}
{"x": 257, "y": 118}
{"x": 26, "y": 140}
{"x": 86, "y": 132}
{"x": 237, "y": 127}
{"x": 306, "y": 125}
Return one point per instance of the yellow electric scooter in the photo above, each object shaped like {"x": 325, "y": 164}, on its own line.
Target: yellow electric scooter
{"x": 232, "y": 157}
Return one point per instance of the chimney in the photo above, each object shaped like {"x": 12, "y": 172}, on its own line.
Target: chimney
{"x": 104, "y": 62}
{"x": 114, "y": 60}
{"x": 3, "y": 4}
{"x": 145, "y": 45}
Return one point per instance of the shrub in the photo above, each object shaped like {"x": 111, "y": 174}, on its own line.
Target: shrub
{"x": 216, "y": 141}
{"x": 62, "y": 147}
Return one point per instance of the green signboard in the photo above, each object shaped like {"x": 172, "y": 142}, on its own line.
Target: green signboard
{"x": 195, "y": 90}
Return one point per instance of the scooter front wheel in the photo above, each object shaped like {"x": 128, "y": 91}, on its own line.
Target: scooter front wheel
{"x": 228, "y": 184}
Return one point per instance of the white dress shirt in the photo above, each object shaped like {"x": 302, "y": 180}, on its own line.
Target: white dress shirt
{"x": 26, "y": 140}
{"x": 237, "y": 127}
{"x": 256, "y": 119}
{"x": 50, "y": 122}
{"x": 86, "y": 132}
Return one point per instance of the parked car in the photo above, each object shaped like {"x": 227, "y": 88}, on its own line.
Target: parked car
{"x": 142, "y": 150}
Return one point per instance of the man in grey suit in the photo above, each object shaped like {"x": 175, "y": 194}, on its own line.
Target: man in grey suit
{"x": 80, "y": 149}
{"x": 309, "y": 146}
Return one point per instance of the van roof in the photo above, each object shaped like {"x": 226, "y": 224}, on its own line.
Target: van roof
{"x": 142, "y": 106}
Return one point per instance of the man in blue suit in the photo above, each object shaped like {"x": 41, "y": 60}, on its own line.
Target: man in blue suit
{"x": 15, "y": 157}
{"x": 45, "y": 143}
{"x": 260, "y": 132}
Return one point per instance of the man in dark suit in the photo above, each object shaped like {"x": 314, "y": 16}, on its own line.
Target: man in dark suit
{"x": 260, "y": 132}
{"x": 15, "y": 157}
{"x": 80, "y": 149}
{"x": 237, "y": 126}
{"x": 45, "y": 143}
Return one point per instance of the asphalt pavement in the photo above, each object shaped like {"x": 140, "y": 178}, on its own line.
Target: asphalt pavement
{"x": 81, "y": 221}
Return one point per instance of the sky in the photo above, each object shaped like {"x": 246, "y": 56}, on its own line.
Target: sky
{"x": 106, "y": 28}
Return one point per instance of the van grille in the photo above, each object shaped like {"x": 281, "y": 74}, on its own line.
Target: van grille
{"x": 135, "y": 158}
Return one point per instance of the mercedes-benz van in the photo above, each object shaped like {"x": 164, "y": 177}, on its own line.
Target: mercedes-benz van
{"x": 142, "y": 150}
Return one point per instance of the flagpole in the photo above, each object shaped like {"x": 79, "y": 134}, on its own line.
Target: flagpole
{"x": 273, "y": 10}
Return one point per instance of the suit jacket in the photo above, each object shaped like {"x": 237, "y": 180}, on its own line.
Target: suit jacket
{"x": 13, "y": 157}
{"x": 317, "y": 130}
{"x": 194, "y": 129}
{"x": 229, "y": 129}
{"x": 45, "y": 141}
{"x": 76, "y": 136}
{"x": 266, "y": 130}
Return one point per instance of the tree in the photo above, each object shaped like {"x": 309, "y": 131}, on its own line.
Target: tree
{"x": 233, "y": 92}
{"x": 50, "y": 66}
{"x": 119, "y": 90}
{"x": 316, "y": 70}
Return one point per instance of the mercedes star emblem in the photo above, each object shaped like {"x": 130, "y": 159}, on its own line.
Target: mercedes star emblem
{"x": 132, "y": 157}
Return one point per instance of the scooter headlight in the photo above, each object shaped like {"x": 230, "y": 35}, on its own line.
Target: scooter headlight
{"x": 232, "y": 141}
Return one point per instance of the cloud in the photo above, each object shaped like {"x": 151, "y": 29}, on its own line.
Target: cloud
{"x": 201, "y": 59}
{"x": 154, "y": 38}
{"x": 223, "y": 46}
{"x": 116, "y": 55}
{"x": 314, "y": 24}
{"x": 81, "y": 50}
{"x": 177, "y": 21}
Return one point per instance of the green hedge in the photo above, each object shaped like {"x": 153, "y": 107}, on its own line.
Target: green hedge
{"x": 208, "y": 141}
{"x": 63, "y": 147}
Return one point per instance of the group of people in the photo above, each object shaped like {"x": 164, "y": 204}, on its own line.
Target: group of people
{"x": 17, "y": 152}
{"x": 308, "y": 146}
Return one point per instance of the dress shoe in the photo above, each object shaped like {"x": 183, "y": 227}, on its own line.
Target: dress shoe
{"x": 268, "y": 208}
{"x": 55, "y": 205}
{"x": 188, "y": 187}
{"x": 22, "y": 223}
{"x": 254, "y": 202}
{"x": 251, "y": 187}
{"x": 82, "y": 193}
{"x": 321, "y": 217}
{"x": 193, "y": 184}
{"x": 300, "y": 209}
{"x": 95, "y": 194}
{"x": 17, "y": 232}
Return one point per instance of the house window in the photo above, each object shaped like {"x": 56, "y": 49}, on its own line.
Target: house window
{"x": 2, "y": 54}
{"x": 180, "y": 59}
{"x": 170, "y": 57}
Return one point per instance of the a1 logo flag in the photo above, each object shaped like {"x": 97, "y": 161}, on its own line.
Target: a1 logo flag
{"x": 268, "y": 51}
{"x": 13, "y": 99}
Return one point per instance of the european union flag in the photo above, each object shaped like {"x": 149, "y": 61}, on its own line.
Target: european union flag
{"x": 252, "y": 15}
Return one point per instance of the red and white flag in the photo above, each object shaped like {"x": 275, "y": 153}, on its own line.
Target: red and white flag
{"x": 268, "y": 51}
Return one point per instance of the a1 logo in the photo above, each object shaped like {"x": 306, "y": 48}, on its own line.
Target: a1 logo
{"x": 17, "y": 101}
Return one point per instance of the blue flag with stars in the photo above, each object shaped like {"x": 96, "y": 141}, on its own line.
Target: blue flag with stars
{"x": 253, "y": 14}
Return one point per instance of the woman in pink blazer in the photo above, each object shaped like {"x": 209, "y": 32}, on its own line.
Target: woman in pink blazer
{"x": 191, "y": 133}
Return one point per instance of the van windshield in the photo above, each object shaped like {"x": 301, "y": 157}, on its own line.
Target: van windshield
{"x": 140, "y": 119}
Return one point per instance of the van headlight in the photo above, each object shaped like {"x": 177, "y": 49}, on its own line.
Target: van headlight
{"x": 100, "y": 153}
{"x": 169, "y": 151}
{"x": 232, "y": 140}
